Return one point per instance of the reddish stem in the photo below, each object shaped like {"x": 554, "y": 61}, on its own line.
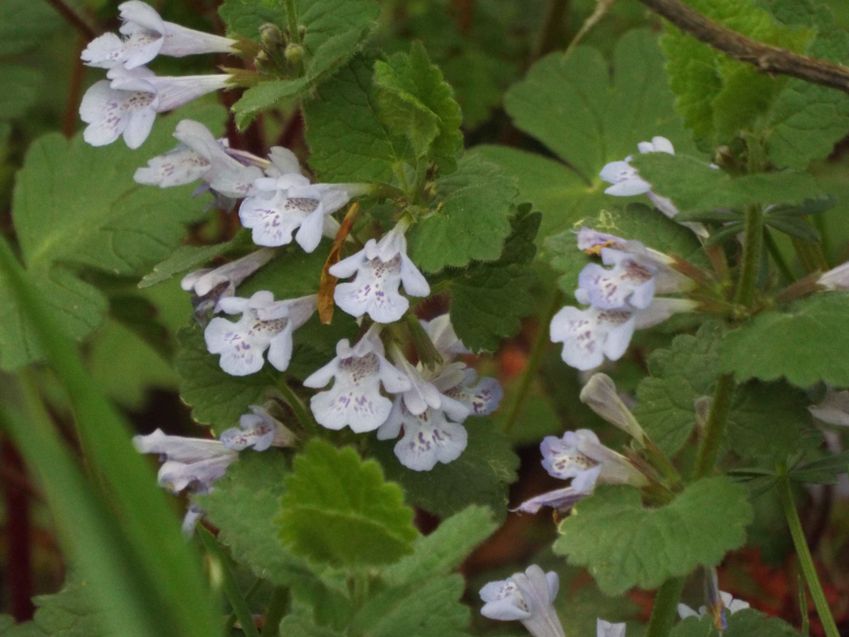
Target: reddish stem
{"x": 18, "y": 535}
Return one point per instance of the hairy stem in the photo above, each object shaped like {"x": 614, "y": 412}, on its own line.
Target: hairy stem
{"x": 752, "y": 247}
{"x": 806, "y": 562}
{"x": 775, "y": 253}
{"x": 665, "y": 608}
{"x": 764, "y": 57}
{"x": 534, "y": 360}
{"x": 292, "y": 22}
{"x": 715, "y": 427}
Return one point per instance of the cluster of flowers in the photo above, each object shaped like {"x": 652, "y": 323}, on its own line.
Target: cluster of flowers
{"x": 194, "y": 464}
{"x": 126, "y": 103}
{"x": 621, "y": 299}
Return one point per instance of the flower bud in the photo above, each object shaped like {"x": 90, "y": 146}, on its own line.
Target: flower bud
{"x": 600, "y": 395}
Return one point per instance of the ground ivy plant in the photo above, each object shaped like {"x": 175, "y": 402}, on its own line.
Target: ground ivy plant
{"x": 300, "y": 231}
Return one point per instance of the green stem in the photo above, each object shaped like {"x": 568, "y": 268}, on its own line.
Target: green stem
{"x": 806, "y": 562}
{"x": 292, "y": 22}
{"x": 231, "y": 589}
{"x": 775, "y": 253}
{"x": 752, "y": 247}
{"x": 664, "y": 612}
{"x": 714, "y": 427}
{"x": 534, "y": 360}
{"x": 276, "y": 609}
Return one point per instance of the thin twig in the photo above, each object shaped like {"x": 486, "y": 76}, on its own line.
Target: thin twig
{"x": 73, "y": 18}
{"x": 765, "y": 57}
{"x": 69, "y": 122}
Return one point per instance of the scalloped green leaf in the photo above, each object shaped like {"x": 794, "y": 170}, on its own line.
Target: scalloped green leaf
{"x": 805, "y": 343}
{"x": 471, "y": 220}
{"x": 337, "y": 509}
{"x": 77, "y": 207}
{"x": 623, "y": 544}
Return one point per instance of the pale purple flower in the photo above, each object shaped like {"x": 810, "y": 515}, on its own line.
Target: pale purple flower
{"x": 191, "y": 464}
{"x": 127, "y": 105}
{"x": 265, "y": 324}
{"x": 209, "y": 286}
{"x": 259, "y": 430}
{"x": 480, "y": 396}
{"x": 580, "y": 457}
{"x": 560, "y": 500}
{"x": 606, "y": 629}
{"x": 288, "y": 206}
{"x": 599, "y": 393}
{"x": 591, "y": 335}
{"x": 380, "y": 269}
{"x": 626, "y": 180}
{"x": 629, "y": 285}
{"x": 430, "y": 437}
{"x": 527, "y": 597}
{"x": 146, "y": 36}
{"x": 188, "y": 462}
{"x": 177, "y": 167}
{"x": 357, "y": 373}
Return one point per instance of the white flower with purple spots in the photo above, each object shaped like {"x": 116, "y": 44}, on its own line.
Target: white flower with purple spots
{"x": 527, "y": 597}
{"x": 258, "y": 430}
{"x": 265, "y": 324}
{"x": 626, "y": 181}
{"x": 591, "y": 335}
{"x": 481, "y": 396}
{"x": 355, "y": 399}
{"x": 580, "y": 457}
{"x": 127, "y": 106}
{"x": 177, "y": 167}
{"x": 630, "y": 284}
{"x": 209, "y": 285}
{"x": 379, "y": 270}
{"x": 146, "y": 36}
{"x": 281, "y": 208}
{"x": 430, "y": 437}
{"x": 188, "y": 462}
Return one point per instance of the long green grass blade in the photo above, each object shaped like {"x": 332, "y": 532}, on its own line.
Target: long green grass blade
{"x": 147, "y": 520}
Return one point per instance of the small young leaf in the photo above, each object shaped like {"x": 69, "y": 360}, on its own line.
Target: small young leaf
{"x": 415, "y": 102}
{"x": 347, "y": 140}
{"x": 471, "y": 220}
{"x": 338, "y": 509}
{"x": 624, "y": 544}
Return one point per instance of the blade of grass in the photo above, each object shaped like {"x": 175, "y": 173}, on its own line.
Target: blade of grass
{"x": 148, "y": 522}
{"x": 238, "y": 603}
{"x": 89, "y": 534}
